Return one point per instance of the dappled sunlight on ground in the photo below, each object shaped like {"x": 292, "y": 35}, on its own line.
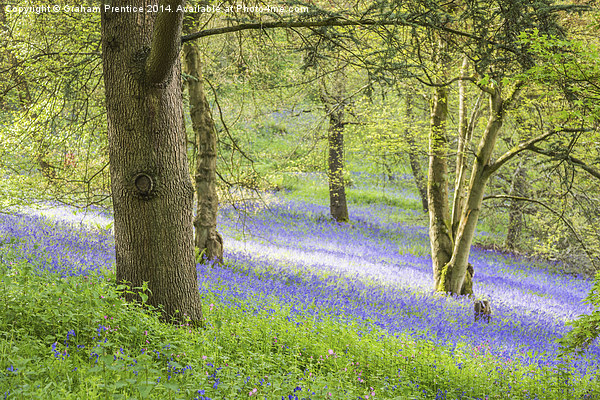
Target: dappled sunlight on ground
{"x": 372, "y": 271}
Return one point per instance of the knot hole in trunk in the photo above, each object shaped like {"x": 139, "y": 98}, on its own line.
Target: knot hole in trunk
{"x": 143, "y": 184}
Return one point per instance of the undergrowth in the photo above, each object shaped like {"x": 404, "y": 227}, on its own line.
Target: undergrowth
{"x": 75, "y": 338}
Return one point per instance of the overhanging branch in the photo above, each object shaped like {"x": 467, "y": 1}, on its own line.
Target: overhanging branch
{"x": 410, "y": 20}
{"x": 528, "y": 145}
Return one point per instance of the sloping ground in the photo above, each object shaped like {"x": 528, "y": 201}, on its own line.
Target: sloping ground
{"x": 372, "y": 271}
{"x": 366, "y": 270}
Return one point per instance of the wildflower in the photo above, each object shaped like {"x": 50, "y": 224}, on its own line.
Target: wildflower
{"x": 253, "y": 392}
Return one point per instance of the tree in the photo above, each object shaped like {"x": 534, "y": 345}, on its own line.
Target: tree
{"x": 452, "y": 229}
{"x": 208, "y": 241}
{"x": 152, "y": 190}
{"x": 333, "y": 98}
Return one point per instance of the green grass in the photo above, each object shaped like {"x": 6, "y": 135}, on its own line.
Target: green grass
{"x": 48, "y": 338}
{"x": 315, "y": 189}
{"x": 75, "y": 338}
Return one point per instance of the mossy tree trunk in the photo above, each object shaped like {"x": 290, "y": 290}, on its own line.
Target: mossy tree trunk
{"x": 440, "y": 231}
{"x": 152, "y": 190}
{"x": 454, "y": 276}
{"x": 207, "y": 239}
{"x": 413, "y": 156}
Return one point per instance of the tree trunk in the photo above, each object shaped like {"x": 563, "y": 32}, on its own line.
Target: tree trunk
{"x": 463, "y": 141}
{"x": 452, "y": 275}
{"x": 440, "y": 234}
{"x": 207, "y": 240}
{"x": 151, "y": 187}
{"x": 333, "y": 100}
{"x": 465, "y": 133}
{"x": 413, "y": 158}
{"x": 337, "y": 189}
{"x": 515, "y": 211}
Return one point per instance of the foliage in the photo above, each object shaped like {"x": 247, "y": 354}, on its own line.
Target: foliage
{"x": 280, "y": 324}
{"x": 586, "y": 328}
{"x": 52, "y": 130}
{"x": 379, "y": 139}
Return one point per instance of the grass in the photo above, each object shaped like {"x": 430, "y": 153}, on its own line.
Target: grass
{"x": 75, "y": 338}
{"x": 304, "y": 308}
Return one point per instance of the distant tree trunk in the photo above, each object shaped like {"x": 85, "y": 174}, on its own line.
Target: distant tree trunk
{"x": 413, "y": 157}
{"x": 151, "y": 187}
{"x": 337, "y": 189}
{"x": 333, "y": 99}
{"x": 518, "y": 188}
{"x": 207, "y": 239}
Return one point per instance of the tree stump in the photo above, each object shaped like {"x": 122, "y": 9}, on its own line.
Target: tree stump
{"x": 483, "y": 311}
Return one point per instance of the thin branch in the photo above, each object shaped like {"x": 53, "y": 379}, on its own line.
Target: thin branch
{"x": 559, "y": 215}
{"x": 566, "y": 157}
{"x": 225, "y": 127}
{"x": 528, "y": 145}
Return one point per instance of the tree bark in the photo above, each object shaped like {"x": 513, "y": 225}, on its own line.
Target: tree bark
{"x": 465, "y": 132}
{"x": 453, "y": 274}
{"x": 440, "y": 233}
{"x": 207, "y": 239}
{"x": 152, "y": 190}
{"x": 333, "y": 100}
{"x": 337, "y": 189}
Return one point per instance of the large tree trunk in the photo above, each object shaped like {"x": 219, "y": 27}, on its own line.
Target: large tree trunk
{"x": 333, "y": 100}
{"x": 440, "y": 232}
{"x": 452, "y": 275}
{"x": 207, "y": 240}
{"x": 151, "y": 187}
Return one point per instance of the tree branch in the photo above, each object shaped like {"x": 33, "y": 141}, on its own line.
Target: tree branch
{"x": 408, "y": 20}
{"x": 528, "y": 145}
{"x": 559, "y": 215}
{"x": 573, "y": 160}
{"x": 165, "y": 47}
